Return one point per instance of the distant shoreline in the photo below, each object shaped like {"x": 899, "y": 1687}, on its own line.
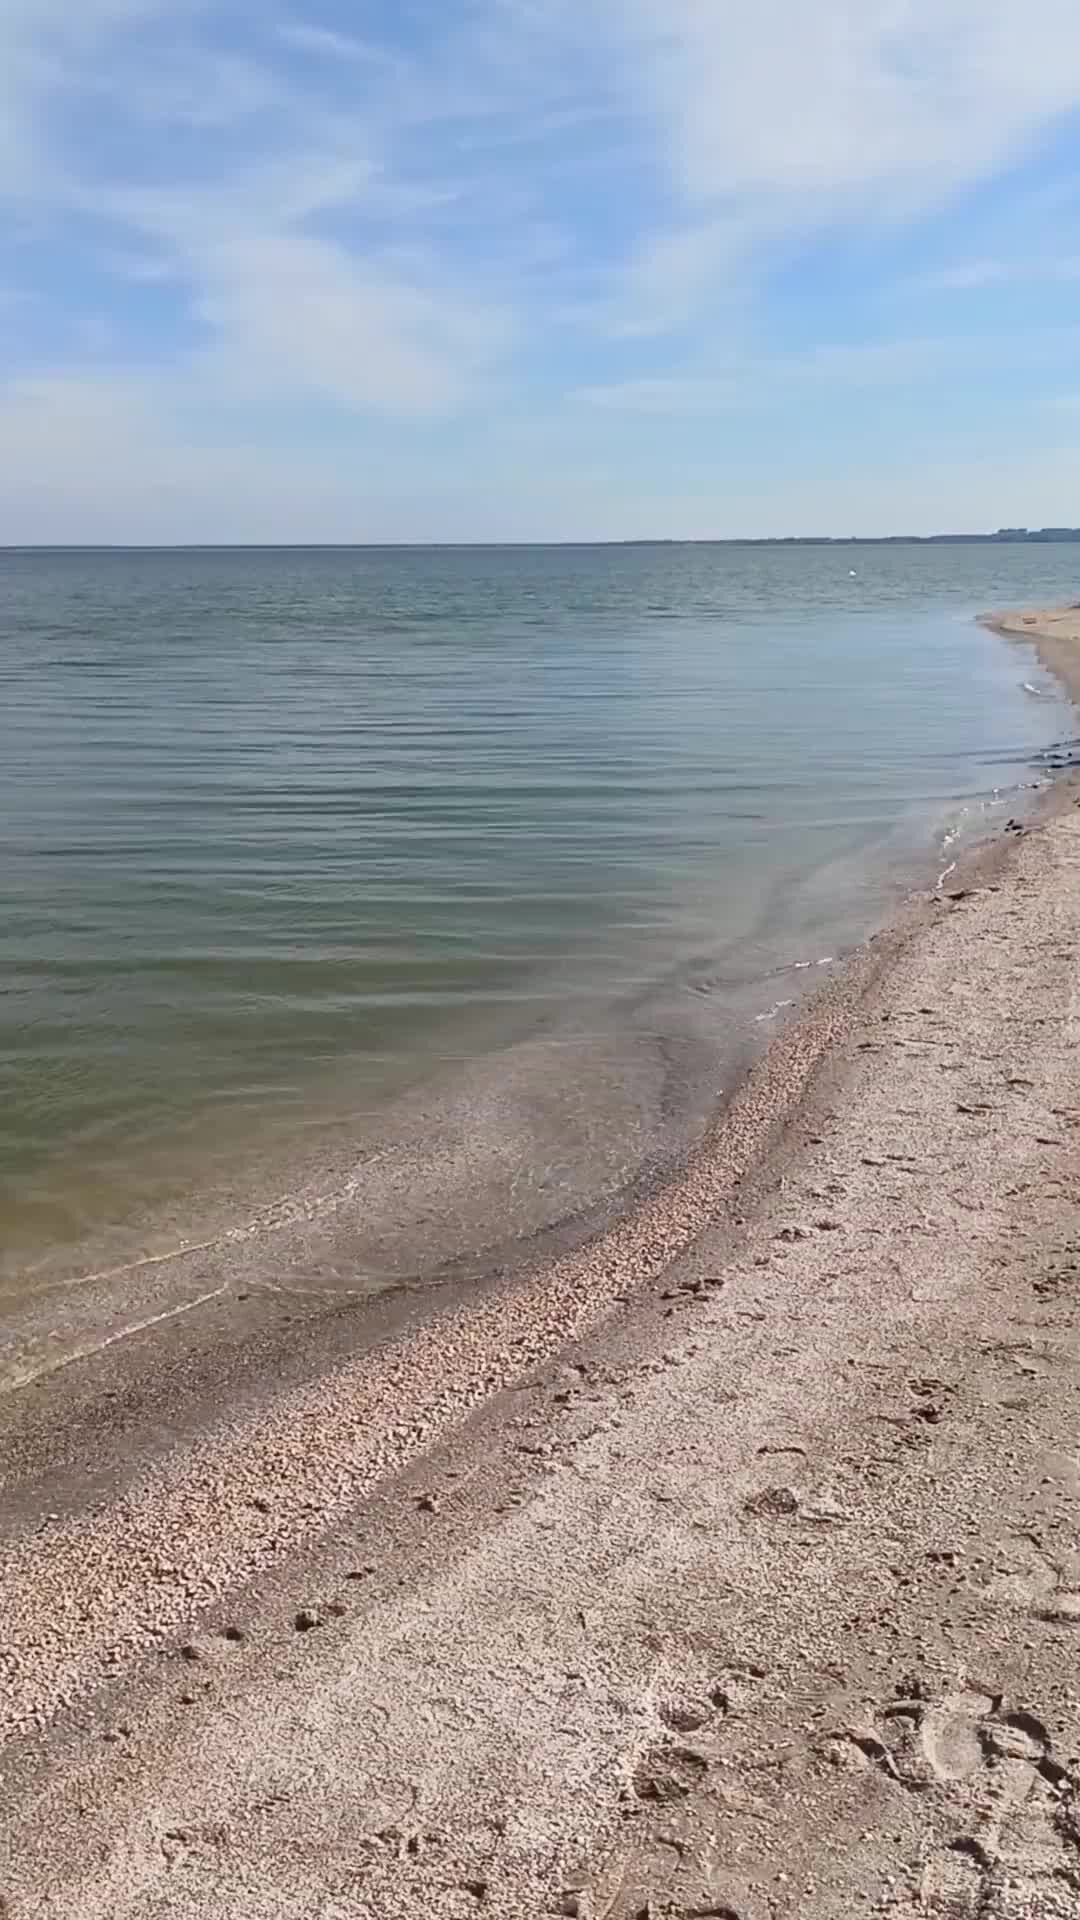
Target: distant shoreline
{"x": 1004, "y": 537}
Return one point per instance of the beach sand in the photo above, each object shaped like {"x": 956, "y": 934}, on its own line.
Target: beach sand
{"x": 727, "y": 1566}
{"x": 1055, "y": 631}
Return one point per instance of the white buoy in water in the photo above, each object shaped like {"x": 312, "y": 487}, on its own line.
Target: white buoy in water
{"x": 852, "y": 575}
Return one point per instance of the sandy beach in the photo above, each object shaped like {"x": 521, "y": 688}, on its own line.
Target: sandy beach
{"x": 725, "y": 1566}
{"x": 1054, "y": 630}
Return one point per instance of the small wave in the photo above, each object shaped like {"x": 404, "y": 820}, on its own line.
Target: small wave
{"x": 1064, "y": 753}
{"x": 801, "y": 966}
{"x": 771, "y": 1012}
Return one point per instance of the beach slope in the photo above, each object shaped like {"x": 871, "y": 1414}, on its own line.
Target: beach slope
{"x": 746, "y": 1584}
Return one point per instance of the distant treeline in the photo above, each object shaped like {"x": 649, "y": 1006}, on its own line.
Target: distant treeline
{"x": 1005, "y": 536}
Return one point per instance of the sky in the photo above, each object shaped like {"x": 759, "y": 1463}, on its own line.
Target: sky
{"x": 294, "y": 270}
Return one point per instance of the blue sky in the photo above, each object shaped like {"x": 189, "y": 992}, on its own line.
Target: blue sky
{"x": 512, "y": 269}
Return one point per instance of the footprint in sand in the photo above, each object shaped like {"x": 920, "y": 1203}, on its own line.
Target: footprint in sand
{"x": 1062, "y": 1609}
{"x": 953, "y": 1884}
{"x": 681, "y": 1715}
{"x": 1018, "y": 1849}
{"x": 923, "y": 1743}
{"x": 667, "y": 1774}
{"x": 1022, "y": 1578}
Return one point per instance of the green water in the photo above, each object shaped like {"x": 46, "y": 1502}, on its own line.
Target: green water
{"x": 287, "y": 836}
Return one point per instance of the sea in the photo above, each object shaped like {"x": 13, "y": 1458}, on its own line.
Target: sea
{"x": 447, "y": 892}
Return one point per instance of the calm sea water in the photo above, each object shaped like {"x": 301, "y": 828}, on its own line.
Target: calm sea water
{"x": 450, "y": 864}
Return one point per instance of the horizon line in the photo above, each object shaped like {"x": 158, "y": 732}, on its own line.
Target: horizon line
{"x": 1002, "y": 536}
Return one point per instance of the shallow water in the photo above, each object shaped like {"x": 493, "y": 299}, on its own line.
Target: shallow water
{"x": 488, "y": 861}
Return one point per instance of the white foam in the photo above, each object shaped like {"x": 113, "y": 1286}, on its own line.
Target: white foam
{"x": 772, "y": 1012}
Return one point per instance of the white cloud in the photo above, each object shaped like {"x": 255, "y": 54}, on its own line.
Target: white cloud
{"x": 774, "y": 120}
{"x": 325, "y": 43}
{"x": 288, "y": 307}
{"x": 750, "y": 380}
{"x": 264, "y": 297}
{"x": 352, "y": 232}
{"x": 905, "y": 98}
{"x": 974, "y": 276}
{"x": 664, "y": 395}
{"x": 677, "y": 271}
{"x": 281, "y": 308}
{"x": 47, "y": 47}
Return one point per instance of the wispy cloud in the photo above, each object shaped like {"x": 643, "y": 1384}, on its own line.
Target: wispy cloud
{"x": 849, "y": 97}
{"x": 270, "y": 294}
{"x": 975, "y": 276}
{"x": 327, "y": 43}
{"x": 665, "y": 395}
{"x": 754, "y": 381}
{"x": 284, "y": 306}
{"x": 320, "y": 229}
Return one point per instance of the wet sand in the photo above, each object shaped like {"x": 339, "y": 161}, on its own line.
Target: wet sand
{"x": 1054, "y": 631}
{"x": 725, "y": 1565}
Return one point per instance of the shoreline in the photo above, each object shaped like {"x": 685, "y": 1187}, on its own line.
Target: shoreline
{"x": 395, "y": 1398}
{"x": 244, "y": 1317}
{"x": 431, "y": 1126}
{"x": 256, "y": 1504}
{"x": 1054, "y": 632}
